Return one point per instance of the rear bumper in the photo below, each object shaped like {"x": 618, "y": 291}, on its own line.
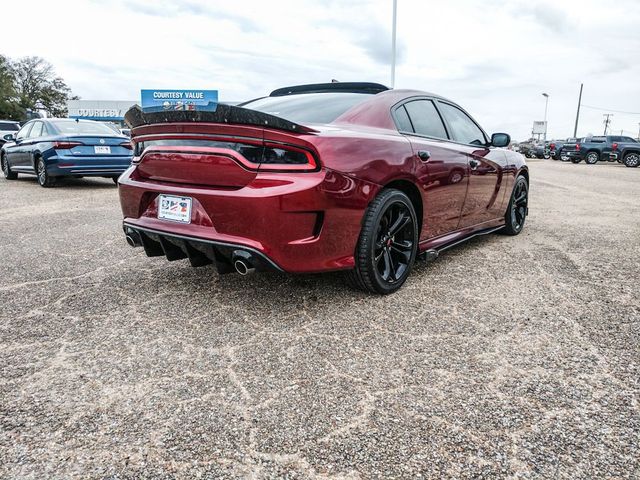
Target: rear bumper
{"x": 87, "y": 166}
{"x": 298, "y": 223}
{"x": 199, "y": 251}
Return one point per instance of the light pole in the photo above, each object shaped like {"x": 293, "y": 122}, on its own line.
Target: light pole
{"x": 546, "y": 104}
{"x": 393, "y": 43}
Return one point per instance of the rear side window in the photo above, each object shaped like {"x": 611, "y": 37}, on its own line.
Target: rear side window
{"x": 463, "y": 129}
{"x": 425, "y": 118}
{"x": 402, "y": 120}
{"x": 9, "y": 127}
{"x": 629, "y": 139}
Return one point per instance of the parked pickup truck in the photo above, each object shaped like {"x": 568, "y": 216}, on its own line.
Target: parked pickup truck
{"x": 556, "y": 149}
{"x": 594, "y": 149}
{"x": 627, "y": 153}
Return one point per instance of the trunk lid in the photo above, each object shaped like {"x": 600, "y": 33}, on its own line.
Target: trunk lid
{"x": 223, "y": 149}
{"x": 92, "y": 146}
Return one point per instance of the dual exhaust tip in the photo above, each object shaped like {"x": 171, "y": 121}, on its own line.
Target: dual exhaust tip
{"x": 242, "y": 261}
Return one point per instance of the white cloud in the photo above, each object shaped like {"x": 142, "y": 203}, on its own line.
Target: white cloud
{"x": 493, "y": 57}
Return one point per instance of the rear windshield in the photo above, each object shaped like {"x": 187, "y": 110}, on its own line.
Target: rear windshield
{"x": 308, "y": 107}
{"x": 71, "y": 127}
{"x": 9, "y": 126}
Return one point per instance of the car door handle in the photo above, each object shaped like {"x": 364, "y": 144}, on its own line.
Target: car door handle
{"x": 473, "y": 164}
{"x": 424, "y": 155}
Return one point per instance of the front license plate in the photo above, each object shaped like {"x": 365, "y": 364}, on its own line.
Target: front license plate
{"x": 176, "y": 209}
{"x": 102, "y": 149}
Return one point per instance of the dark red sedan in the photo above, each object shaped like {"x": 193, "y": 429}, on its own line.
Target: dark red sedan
{"x": 314, "y": 178}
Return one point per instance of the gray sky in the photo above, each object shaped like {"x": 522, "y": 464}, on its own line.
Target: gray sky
{"x": 493, "y": 57}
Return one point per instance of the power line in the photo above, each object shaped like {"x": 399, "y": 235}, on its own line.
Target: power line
{"x": 611, "y": 110}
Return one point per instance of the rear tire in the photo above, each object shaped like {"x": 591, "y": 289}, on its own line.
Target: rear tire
{"x": 6, "y": 170}
{"x": 388, "y": 244}
{"x": 115, "y": 180}
{"x": 592, "y": 158}
{"x": 44, "y": 179}
{"x": 518, "y": 209}
{"x": 632, "y": 160}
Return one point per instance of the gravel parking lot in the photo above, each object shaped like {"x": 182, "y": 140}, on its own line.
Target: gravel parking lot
{"x": 507, "y": 356}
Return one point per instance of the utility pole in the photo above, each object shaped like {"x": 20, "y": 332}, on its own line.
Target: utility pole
{"x": 575, "y": 129}
{"x": 546, "y": 104}
{"x": 393, "y": 43}
{"x": 607, "y": 121}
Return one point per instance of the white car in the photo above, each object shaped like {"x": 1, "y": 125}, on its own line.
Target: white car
{"x": 7, "y": 127}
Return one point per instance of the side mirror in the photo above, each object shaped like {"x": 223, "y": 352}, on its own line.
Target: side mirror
{"x": 9, "y": 137}
{"x": 500, "y": 140}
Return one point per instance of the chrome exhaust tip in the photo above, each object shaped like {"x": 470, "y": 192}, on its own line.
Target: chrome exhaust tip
{"x": 242, "y": 262}
{"x": 133, "y": 238}
{"x": 243, "y": 268}
{"x": 130, "y": 241}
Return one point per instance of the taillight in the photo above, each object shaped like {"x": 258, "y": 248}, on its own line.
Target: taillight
{"x": 577, "y": 146}
{"x": 65, "y": 145}
{"x": 552, "y": 146}
{"x": 277, "y": 158}
{"x": 614, "y": 146}
{"x": 127, "y": 145}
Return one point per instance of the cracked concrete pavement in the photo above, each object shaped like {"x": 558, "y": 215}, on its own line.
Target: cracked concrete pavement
{"x": 506, "y": 357}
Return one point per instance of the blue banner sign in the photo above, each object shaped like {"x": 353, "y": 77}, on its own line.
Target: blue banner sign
{"x": 178, "y": 100}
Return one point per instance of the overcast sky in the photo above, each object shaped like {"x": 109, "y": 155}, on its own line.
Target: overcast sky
{"x": 493, "y": 57}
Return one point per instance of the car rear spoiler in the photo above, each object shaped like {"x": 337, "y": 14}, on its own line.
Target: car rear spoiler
{"x": 136, "y": 117}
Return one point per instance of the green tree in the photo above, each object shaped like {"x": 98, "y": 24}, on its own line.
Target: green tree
{"x": 38, "y": 87}
{"x": 9, "y": 108}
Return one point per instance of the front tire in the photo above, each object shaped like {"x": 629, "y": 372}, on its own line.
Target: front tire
{"x": 388, "y": 244}
{"x": 44, "y": 179}
{"x": 518, "y": 208}
{"x": 6, "y": 169}
{"x": 592, "y": 158}
{"x": 632, "y": 160}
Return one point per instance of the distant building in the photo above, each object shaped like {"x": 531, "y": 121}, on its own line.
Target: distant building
{"x": 100, "y": 110}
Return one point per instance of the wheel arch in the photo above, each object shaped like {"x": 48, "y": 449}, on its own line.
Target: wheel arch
{"x": 34, "y": 159}
{"x": 524, "y": 171}
{"x": 411, "y": 190}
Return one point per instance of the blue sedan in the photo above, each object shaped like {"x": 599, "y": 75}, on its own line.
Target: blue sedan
{"x": 59, "y": 147}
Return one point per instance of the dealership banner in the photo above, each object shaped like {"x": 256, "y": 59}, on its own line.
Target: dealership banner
{"x": 166, "y": 100}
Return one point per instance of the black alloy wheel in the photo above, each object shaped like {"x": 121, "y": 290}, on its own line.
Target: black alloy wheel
{"x": 632, "y": 160}
{"x": 388, "y": 244}
{"x": 592, "y": 158}
{"x": 517, "y": 211}
{"x": 6, "y": 170}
